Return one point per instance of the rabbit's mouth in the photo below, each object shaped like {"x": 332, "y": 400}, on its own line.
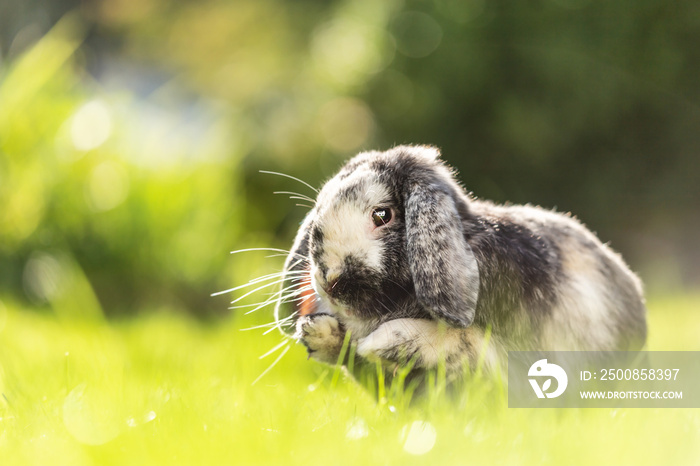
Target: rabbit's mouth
{"x": 306, "y": 304}
{"x": 307, "y": 301}
{"x": 336, "y": 305}
{"x": 356, "y": 295}
{"x": 370, "y": 303}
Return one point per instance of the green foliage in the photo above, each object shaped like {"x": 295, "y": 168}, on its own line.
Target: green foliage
{"x": 163, "y": 390}
{"x": 145, "y": 176}
{"x": 100, "y": 182}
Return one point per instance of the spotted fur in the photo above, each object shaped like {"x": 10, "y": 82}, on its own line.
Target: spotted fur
{"x": 447, "y": 268}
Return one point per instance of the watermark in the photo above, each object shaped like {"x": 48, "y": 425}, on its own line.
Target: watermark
{"x": 613, "y": 379}
{"x": 541, "y": 369}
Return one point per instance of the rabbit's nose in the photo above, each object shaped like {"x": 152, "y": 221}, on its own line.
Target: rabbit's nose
{"x": 330, "y": 283}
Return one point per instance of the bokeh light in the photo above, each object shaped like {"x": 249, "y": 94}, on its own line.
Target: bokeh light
{"x": 418, "y": 438}
{"x": 345, "y": 123}
{"x": 91, "y": 415}
{"x": 417, "y": 34}
{"x": 91, "y": 125}
{"x": 44, "y": 276}
{"x": 108, "y": 186}
{"x": 356, "y": 429}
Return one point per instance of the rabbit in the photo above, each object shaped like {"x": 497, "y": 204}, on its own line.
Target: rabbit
{"x": 397, "y": 253}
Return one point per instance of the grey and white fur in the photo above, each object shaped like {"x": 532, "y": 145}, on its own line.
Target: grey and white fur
{"x": 445, "y": 267}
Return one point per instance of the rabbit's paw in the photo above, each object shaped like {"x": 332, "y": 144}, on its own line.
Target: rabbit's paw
{"x": 398, "y": 341}
{"x": 322, "y": 334}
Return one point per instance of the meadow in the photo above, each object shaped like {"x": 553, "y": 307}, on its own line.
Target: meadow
{"x": 159, "y": 389}
{"x": 132, "y": 137}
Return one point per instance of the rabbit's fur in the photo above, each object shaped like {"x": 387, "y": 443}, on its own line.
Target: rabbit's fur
{"x": 446, "y": 267}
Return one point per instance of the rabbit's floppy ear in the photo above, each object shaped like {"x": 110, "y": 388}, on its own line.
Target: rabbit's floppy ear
{"x": 443, "y": 266}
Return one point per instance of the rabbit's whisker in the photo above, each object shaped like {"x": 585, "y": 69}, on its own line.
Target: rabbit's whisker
{"x": 258, "y": 289}
{"x": 253, "y": 282}
{"x": 283, "y": 299}
{"x": 241, "y": 306}
{"x": 295, "y": 295}
{"x": 271, "y": 300}
{"x": 302, "y": 260}
{"x": 272, "y": 297}
{"x": 306, "y": 298}
{"x": 283, "y": 251}
{"x": 397, "y": 284}
{"x": 274, "y": 363}
{"x": 255, "y": 327}
{"x": 291, "y": 177}
{"x": 275, "y": 348}
{"x": 269, "y": 330}
{"x": 272, "y": 325}
{"x": 299, "y": 196}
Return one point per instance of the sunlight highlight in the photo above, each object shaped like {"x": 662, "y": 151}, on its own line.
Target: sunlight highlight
{"x": 357, "y": 429}
{"x": 108, "y": 186}
{"x": 145, "y": 419}
{"x": 91, "y": 126}
{"x": 418, "y": 438}
{"x": 90, "y": 415}
{"x": 345, "y": 123}
{"x": 43, "y": 276}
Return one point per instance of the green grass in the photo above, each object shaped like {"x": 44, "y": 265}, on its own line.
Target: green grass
{"x": 170, "y": 390}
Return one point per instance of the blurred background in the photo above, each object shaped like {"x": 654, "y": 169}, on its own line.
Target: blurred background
{"x": 132, "y": 132}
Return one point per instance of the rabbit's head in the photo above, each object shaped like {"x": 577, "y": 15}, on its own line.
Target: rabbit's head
{"x": 385, "y": 240}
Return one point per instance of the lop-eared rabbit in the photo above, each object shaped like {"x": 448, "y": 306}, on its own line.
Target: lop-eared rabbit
{"x": 397, "y": 253}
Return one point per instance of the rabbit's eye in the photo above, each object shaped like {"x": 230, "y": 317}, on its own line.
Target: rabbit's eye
{"x": 381, "y": 217}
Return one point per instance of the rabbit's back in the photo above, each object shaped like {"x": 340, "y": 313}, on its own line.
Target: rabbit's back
{"x": 549, "y": 283}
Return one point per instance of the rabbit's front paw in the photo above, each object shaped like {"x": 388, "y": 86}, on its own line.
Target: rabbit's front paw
{"x": 421, "y": 342}
{"x": 322, "y": 334}
{"x": 396, "y": 340}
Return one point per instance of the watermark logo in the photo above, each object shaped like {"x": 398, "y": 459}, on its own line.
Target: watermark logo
{"x": 542, "y": 368}
{"x": 603, "y": 379}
